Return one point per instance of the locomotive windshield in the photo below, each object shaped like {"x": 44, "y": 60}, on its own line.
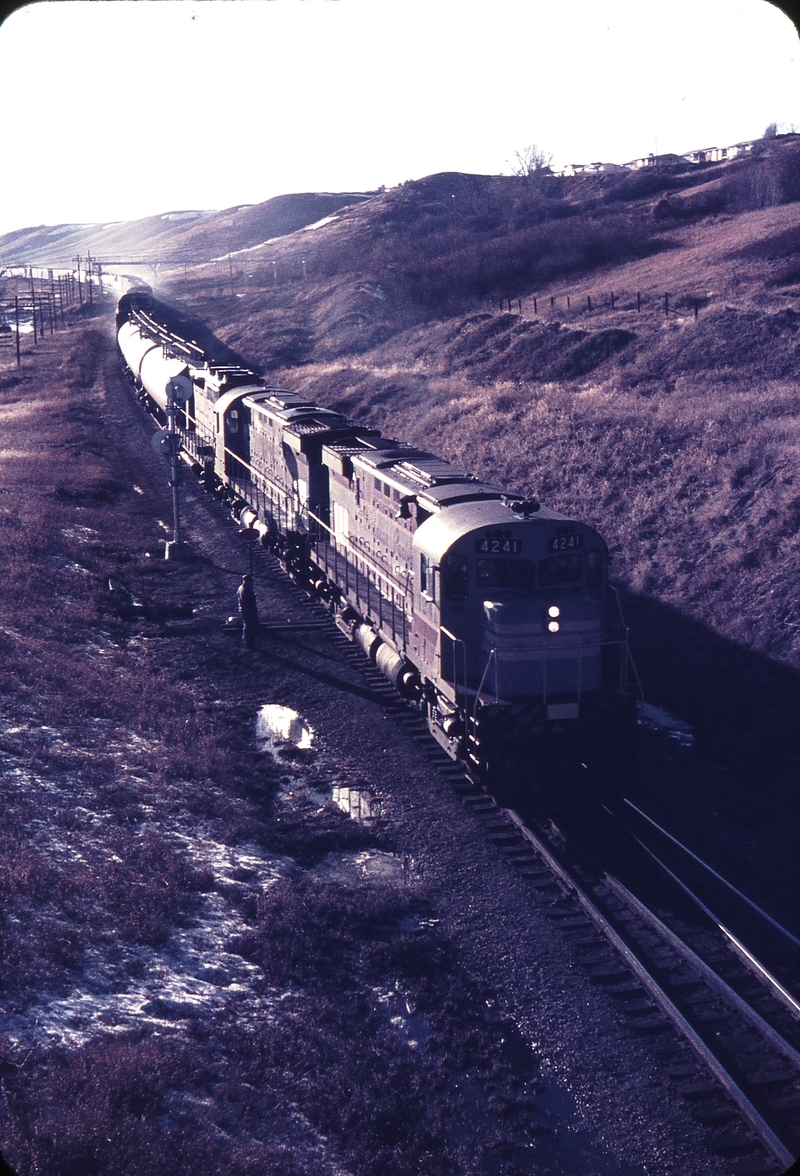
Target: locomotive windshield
{"x": 506, "y": 573}
{"x": 560, "y": 569}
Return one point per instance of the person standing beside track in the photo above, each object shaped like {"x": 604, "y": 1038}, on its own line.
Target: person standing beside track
{"x": 248, "y": 611}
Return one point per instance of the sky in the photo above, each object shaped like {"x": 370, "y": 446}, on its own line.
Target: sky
{"x": 129, "y": 108}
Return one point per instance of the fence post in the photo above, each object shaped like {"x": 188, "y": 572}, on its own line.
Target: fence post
{"x": 33, "y": 306}
{"x": 16, "y": 324}
{"x": 535, "y": 307}
{"x": 666, "y": 304}
{"x": 589, "y": 301}
{"x": 638, "y": 300}
{"x": 569, "y": 304}
{"x": 552, "y": 301}
{"x": 696, "y": 307}
{"x": 612, "y": 299}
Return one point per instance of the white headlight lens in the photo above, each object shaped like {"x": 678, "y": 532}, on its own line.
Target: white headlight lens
{"x": 554, "y": 611}
{"x": 553, "y": 626}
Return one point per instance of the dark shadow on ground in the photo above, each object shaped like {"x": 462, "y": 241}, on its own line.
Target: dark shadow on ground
{"x": 742, "y": 705}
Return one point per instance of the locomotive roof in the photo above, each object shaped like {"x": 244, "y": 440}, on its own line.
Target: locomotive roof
{"x": 382, "y": 459}
{"x": 293, "y": 411}
{"x": 438, "y": 533}
{"x": 443, "y": 494}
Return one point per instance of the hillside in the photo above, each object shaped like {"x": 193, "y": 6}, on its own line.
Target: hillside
{"x": 189, "y": 235}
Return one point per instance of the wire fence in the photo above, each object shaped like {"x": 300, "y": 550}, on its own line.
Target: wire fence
{"x": 39, "y": 304}
{"x": 627, "y": 301}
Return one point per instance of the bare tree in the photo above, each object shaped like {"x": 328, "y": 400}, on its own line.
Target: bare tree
{"x": 770, "y": 131}
{"x": 530, "y": 161}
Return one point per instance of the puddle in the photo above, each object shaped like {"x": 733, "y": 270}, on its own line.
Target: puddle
{"x": 374, "y": 865}
{"x": 279, "y": 726}
{"x": 360, "y": 805}
{"x": 655, "y": 718}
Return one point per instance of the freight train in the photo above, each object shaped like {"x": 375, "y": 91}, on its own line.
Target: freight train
{"x": 493, "y": 614}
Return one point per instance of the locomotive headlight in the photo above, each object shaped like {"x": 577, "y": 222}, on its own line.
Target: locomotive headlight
{"x": 553, "y": 626}
{"x": 554, "y": 611}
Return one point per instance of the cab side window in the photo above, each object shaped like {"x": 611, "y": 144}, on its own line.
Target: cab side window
{"x": 428, "y": 577}
{"x": 455, "y": 577}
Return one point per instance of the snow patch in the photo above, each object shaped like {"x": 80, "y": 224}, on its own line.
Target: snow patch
{"x": 326, "y": 220}
{"x": 198, "y": 970}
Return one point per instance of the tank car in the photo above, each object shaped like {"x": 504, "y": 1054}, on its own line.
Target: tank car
{"x": 495, "y": 615}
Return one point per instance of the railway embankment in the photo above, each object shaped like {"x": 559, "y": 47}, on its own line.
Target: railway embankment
{"x": 207, "y": 960}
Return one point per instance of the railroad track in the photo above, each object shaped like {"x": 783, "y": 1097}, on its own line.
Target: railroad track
{"x": 725, "y": 1030}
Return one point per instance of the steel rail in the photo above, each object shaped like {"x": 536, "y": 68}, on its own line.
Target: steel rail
{"x": 709, "y": 975}
{"x": 763, "y": 974}
{"x": 714, "y": 873}
{"x": 749, "y": 1113}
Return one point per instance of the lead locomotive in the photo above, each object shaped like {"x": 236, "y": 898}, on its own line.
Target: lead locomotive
{"x": 496, "y": 615}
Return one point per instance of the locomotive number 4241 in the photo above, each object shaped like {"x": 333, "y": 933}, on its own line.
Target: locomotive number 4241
{"x": 565, "y": 542}
{"x": 498, "y": 545}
